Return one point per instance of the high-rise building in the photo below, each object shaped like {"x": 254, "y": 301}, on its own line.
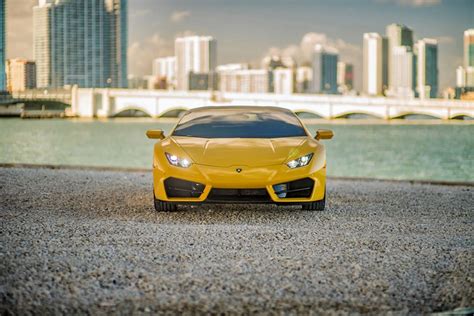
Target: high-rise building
{"x": 2, "y": 44}
{"x": 460, "y": 77}
{"x": 397, "y": 35}
{"x": 375, "y": 64}
{"x": 195, "y": 55}
{"x": 403, "y": 79}
{"x": 21, "y": 75}
{"x": 469, "y": 48}
{"x": 470, "y": 77}
{"x": 284, "y": 80}
{"x": 165, "y": 69}
{"x": 304, "y": 78}
{"x": 325, "y": 70}
{"x": 427, "y": 68}
{"x": 345, "y": 77}
{"x": 81, "y": 42}
{"x": 233, "y": 78}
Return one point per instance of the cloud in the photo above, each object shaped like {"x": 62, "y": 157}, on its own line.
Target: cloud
{"x": 139, "y": 13}
{"x": 444, "y": 39}
{"x": 178, "y": 16}
{"x": 412, "y": 3}
{"x": 303, "y": 52}
{"x": 186, "y": 33}
{"x": 142, "y": 53}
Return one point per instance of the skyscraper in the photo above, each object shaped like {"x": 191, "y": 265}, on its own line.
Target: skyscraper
{"x": 374, "y": 64}
{"x": 2, "y": 45}
{"x": 325, "y": 69}
{"x": 284, "y": 80}
{"x": 397, "y": 35}
{"x": 164, "y": 68}
{"x": 469, "y": 48}
{"x": 81, "y": 42}
{"x": 21, "y": 75}
{"x": 427, "y": 68}
{"x": 195, "y": 56}
{"x": 403, "y": 78}
{"x": 345, "y": 77}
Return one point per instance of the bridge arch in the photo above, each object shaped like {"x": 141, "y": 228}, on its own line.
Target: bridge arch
{"x": 304, "y": 114}
{"x": 422, "y": 115}
{"x": 175, "y": 112}
{"x": 131, "y": 111}
{"x": 367, "y": 115}
{"x": 309, "y": 114}
{"x": 462, "y": 116}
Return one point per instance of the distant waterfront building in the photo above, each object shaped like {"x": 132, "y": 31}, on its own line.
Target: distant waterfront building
{"x": 375, "y": 64}
{"x": 2, "y": 44}
{"x": 397, "y": 35}
{"x": 81, "y": 42}
{"x": 197, "y": 55}
{"x": 325, "y": 70}
{"x": 427, "y": 68}
{"x": 460, "y": 77}
{"x": 165, "y": 69}
{"x": 21, "y": 75}
{"x": 284, "y": 80}
{"x": 345, "y": 77}
{"x": 470, "y": 77}
{"x": 469, "y": 48}
{"x": 304, "y": 78}
{"x": 403, "y": 79}
{"x": 137, "y": 82}
{"x": 243, "y": 80}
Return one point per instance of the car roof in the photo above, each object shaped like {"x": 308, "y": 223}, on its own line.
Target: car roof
{"x": 239, "y": 108}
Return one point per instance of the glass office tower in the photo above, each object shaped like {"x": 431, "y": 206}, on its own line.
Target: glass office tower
{"x": 2, "y": 45}
{"x": 81, "y": 42}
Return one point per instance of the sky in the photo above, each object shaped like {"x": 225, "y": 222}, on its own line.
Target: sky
{"x": 248, "y": 30}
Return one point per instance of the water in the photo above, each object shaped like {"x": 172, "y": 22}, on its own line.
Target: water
{"x": 385, "y": 151}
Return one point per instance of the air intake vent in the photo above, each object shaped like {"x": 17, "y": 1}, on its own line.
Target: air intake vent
{"x": 177, "y": 188}
{"x": 238, "y": 195}
{"x": 302, "y": 188}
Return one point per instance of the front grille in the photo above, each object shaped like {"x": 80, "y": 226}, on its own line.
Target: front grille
{"x": 238, "y": 195}
{"x": 177, "y": 188}
{"x": 302, "y": 188}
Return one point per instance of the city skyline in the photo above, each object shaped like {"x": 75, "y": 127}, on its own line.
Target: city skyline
{"x": 153, "y": 26}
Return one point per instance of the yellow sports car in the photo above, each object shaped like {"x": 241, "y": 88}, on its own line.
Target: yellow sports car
{"x": 239, "y": 154}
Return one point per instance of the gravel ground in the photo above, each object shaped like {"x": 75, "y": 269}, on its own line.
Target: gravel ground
{"x": 78, "y": 241}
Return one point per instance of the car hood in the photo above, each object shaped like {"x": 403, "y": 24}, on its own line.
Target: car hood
{"x": 252, "y": 152}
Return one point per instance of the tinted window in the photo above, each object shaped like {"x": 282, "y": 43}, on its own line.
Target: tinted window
{"x": 238, "y": 124}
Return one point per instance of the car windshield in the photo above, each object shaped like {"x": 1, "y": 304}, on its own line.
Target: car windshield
{"x": 239, "y": 124}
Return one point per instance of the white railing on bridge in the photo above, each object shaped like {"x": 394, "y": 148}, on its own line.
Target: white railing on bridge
{"x": 110, "y": 102}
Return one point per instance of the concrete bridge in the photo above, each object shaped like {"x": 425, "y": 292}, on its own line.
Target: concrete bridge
{"x": 155, "y": 103}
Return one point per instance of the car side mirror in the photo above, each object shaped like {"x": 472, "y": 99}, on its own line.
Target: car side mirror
{"x": 155, "y": 134}
{"x": 324, "y": 134}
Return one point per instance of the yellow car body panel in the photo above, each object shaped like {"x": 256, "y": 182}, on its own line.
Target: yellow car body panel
{"x": 239, "y": 163}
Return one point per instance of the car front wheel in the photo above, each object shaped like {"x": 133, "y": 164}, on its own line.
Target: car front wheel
{"x": 161, "y": 206}
{"x": 315, "y": 206}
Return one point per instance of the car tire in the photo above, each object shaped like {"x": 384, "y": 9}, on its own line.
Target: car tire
{"x": 315, "y": 206}
{"x": 161, "y": 206}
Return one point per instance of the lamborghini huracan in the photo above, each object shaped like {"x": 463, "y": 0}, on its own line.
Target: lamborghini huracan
{"x": 239, "y": 154}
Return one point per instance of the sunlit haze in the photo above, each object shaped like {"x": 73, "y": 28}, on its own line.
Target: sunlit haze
{"x": 248, "y": 30}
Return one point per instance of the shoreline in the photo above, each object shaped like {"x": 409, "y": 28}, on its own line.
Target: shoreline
{"x": 134, "y": 170}
{"x": 307, "y": 121}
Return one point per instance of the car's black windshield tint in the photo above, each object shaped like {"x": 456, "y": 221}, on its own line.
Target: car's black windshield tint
{"x": 239, "y": 124}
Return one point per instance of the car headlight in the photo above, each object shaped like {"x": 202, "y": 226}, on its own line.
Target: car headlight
{"x": 177, "y": 161}
{"x": 300, "y": 162}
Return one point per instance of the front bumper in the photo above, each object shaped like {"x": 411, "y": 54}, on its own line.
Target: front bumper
{"x": 251, "y": 185}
